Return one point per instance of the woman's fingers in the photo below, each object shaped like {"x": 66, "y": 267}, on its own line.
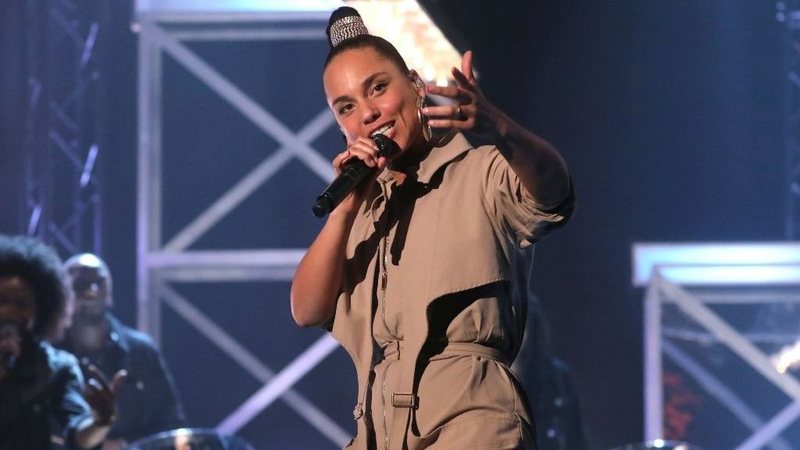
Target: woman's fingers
{"x": 456, "y": 111}
{"x": 466, "y": 67}
{"x": 459, "y": 114}
{"x": 451, "y": 116}
{"x": 339, "y": 160}
{"x": 470, "y": 111}
{"x": 464, "y": 82}
{"x": 363, "y": 149}
{"x": 365, "y": 152}
{"x": 456, "y": 93}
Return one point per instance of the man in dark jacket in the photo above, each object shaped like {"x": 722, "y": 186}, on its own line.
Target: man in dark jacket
{"x": 147, "y": 401}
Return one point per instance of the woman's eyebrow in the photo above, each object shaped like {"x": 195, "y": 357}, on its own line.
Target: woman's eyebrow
{"x": 368, "y": 81}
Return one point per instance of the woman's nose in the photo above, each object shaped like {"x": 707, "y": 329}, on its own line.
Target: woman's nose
{"x": 371, "y": 113}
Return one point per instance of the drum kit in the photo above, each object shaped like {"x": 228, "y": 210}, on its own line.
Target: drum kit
{"x": 190, "y": 439}
{"x": 659, "y": 444}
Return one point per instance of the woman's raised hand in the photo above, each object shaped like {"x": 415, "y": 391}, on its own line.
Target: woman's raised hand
{"x": 470, "y": 110}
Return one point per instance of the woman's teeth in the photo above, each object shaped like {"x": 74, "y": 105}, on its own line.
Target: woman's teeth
{"x": 381, "y": 130}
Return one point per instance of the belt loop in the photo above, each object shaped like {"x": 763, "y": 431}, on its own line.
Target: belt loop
{"x": 402, "y": 400}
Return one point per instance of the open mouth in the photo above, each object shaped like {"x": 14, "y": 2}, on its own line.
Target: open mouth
{"x": 382, "y": 130}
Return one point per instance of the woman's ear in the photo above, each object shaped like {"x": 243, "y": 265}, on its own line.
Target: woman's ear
{"x": 419, "y": 83}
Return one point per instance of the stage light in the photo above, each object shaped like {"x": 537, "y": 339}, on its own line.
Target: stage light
{"x": 402, "y": 22}
{"x": 406, "y": 25}
{"x": 234, "y": 6}
{"x": 787, "y": 358}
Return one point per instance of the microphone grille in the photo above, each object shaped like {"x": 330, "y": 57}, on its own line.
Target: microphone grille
{"x": 386, "y": 146}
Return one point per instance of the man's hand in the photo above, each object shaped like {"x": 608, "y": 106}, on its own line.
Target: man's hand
{"x": 101, "y": 395}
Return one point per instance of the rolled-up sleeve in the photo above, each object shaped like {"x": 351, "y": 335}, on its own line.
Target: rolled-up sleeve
{"x": 515, "y": 211}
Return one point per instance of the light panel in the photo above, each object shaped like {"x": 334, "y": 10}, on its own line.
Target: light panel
{"x": 402, "y": 22}
{"x": 728, "y": 275}
{"x": 723, "y": 264}
{"x": 234, "y": 6}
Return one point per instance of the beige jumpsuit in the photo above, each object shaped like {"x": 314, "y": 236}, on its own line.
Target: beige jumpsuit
{"x": 428, "y": 286}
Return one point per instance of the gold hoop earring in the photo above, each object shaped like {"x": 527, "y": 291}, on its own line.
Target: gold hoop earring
{"x": 427, "y": 133}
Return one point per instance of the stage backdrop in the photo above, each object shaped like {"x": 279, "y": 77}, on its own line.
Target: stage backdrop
{"x": 668, "y": 113}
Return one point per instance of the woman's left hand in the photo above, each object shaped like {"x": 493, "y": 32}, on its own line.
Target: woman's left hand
{"x": 470, "y": 111}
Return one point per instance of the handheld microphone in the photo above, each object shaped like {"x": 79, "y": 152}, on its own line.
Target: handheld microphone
{"x": 10, "y": 338}
{"x": 352, "y": 174}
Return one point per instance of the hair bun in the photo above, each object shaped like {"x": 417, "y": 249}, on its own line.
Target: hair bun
{"x": 345, "y": 23}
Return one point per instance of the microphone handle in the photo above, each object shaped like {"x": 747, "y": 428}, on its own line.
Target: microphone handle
{"x": 350, "y": 177}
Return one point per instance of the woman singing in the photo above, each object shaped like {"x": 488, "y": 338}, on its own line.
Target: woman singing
{"x": 412, "y": 271}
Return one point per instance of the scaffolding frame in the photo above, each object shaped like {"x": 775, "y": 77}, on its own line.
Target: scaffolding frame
{"x": 668, "y": 272}
{"x": 166, "y": 259}
{"x": 62, "y": 202}
{"x": 788, "y": 13}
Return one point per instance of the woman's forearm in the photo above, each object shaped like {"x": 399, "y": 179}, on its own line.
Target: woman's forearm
{"x": 318, "y": 279}
{"x": 539, "y": 166}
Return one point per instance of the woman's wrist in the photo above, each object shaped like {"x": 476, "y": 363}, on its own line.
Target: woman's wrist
{"x": 343, "y": 213}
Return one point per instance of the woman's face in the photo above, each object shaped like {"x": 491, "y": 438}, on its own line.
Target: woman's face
{"x": 368, "y": 94}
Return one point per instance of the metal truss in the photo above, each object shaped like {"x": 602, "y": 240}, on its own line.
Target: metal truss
{"x": 688, "y": 286}
{"x": 788, "y": 12}
{"x": 63, "y": 193}
{"x": 163, "y": 260}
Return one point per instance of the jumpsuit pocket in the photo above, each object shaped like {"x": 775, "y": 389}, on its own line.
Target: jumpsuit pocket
{"x": 478, "y": 432}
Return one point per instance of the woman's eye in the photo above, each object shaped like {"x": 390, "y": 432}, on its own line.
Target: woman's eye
{"x": 344, "y": 109}
{"x": 379, "y": 87}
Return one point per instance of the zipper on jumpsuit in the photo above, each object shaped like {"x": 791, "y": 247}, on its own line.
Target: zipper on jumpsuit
{"x": 384, "y": 280}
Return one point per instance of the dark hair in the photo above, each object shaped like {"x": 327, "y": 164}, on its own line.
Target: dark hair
{"x": 40, "y": 267}
{"x": 379, "y": 44}
{"x": 346, "y": 31}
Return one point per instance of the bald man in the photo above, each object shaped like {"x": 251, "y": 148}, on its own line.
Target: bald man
{"x": 146, "y": 401}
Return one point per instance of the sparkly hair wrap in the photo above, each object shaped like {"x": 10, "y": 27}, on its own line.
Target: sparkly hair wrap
{"x": 344, "y": 23}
